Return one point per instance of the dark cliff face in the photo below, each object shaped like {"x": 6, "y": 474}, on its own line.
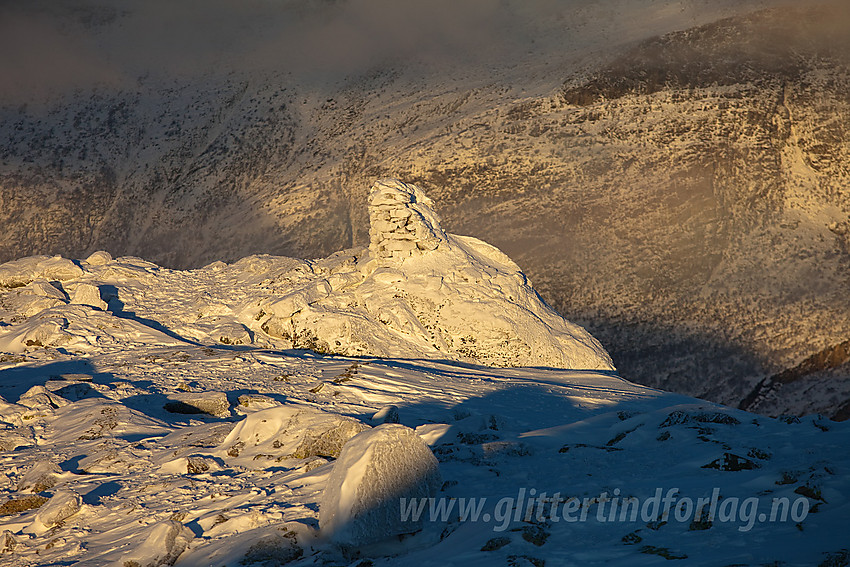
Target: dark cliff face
{"x": 686, "y": 200}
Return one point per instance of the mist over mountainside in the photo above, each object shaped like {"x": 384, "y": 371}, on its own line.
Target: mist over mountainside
{"x": 671, "y": 175}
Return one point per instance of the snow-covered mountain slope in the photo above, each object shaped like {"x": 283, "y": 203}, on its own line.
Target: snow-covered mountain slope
{"x": 672, "y": 175}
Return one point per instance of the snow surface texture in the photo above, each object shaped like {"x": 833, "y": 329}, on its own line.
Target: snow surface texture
{"x": 376, "y": 469}
{"x": 107, "y": 475}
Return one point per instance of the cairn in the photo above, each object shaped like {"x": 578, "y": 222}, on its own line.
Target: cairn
{"x": 402, "y": 222}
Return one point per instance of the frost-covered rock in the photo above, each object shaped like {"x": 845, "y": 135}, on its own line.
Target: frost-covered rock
{"x": 99, "y": 258}
{"x": 162, "y": 545}
{"x": 88, "y": 294}
{"x": 212, "y": 403}
{"x": 418, "y": 291}
{"x": 289, "y": 432}
{"x": 59, "y": 508}
{"x": 402, "y": 222}
{"x": 377, "y": 468}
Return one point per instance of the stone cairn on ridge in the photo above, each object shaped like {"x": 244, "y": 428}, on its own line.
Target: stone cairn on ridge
{"x": 402, "y": 222}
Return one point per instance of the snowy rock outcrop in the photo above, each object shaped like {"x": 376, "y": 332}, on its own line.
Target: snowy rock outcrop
{"x": 376, "y": 469}
{"x": 418, "y": 291}
{"x": 414, "y": 292}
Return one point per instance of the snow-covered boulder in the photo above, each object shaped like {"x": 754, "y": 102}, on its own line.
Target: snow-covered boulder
{"x": 417, "y": 291}
{"x": 43, "y": 330}
{"x": 21, "y": 272}
{"x": 387, "y": 414}
{"x": 212, "y": 403}
{"x": 288, "y": 432}
{"x": 42, "y": 476}
{"x": 33, "y": 298}
{"x": 374, "y": 471}
{"x": 88, "y": 294}
{"x": 99, "y": 258}
{"x": 162, "y": 544}
{"x": 59, "y": 508}
{"x": 38, "y": 395}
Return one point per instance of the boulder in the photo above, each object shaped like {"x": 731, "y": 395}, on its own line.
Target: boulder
{"x": 374, "y": 472}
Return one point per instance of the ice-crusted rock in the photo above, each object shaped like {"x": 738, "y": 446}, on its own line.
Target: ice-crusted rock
{"x": 289, "y": 432}
{"x": 59, "y": 508}
{"x": 88, "y": 294}
{"x": 162, "y": 544}
{"x": 212, "y": 403}
{"x": 402, "y": 222}
{"x": 377, "y": 468}
{"x": 99, "y": 258}
{"x": 418, "y": 291}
